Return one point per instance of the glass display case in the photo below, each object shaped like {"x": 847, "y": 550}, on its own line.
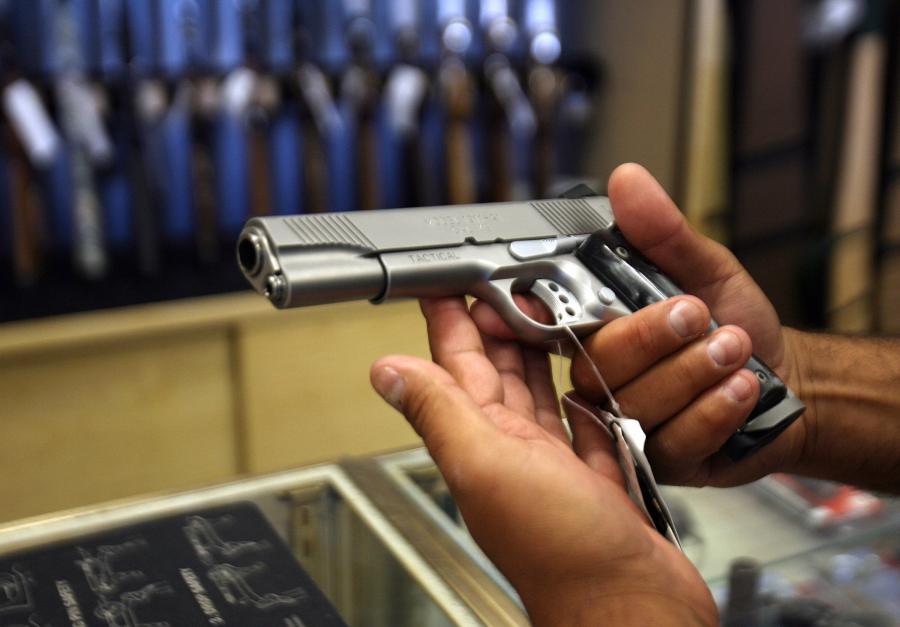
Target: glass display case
{"x": 383, "y": 540}
{"x": 842, "y": 550}
{"x": 370, "y": 549}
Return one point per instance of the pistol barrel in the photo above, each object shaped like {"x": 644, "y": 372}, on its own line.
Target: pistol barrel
{"x": 310, "y": 277}
{"x": 315, "y": 259}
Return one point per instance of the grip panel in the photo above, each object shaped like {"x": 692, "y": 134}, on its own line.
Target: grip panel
{"x": 639, "y": 283}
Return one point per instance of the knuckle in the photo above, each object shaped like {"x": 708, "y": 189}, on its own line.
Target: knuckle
{"x": 669, "y": 464}
{"x": 692, "y": 371}
{"x": 584, "y": 379}
{"x": 579, "y": 374}
{"x": 420, "y": 407}
{"x": 642, "y": 335}
{"x": 709, "y": 419}
{"x": 666, "y": 450}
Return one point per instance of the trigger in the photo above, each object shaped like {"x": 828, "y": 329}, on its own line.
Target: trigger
{"x": 560, "y": 301}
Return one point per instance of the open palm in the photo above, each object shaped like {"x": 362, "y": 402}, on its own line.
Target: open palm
{"x": 552, "y": 513}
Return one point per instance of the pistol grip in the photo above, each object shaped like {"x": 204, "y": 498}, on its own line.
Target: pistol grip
{"x": 638, "y": 283}
{"x": 763, "y": 425}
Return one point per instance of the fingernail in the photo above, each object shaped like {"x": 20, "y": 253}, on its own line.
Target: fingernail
{"x": 738, "y": 388}
{"x": 686, "y": 318}
{"x": 724, "y": 348}
{"x": 390, "y": 385}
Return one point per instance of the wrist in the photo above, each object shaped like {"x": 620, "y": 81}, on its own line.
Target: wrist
{"x": 852, "y": 422}
{"x": 595, "y": 606}
{"x": 661, "y": 588}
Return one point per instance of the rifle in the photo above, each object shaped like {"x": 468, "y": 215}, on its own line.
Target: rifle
{"x": 33, "y": 146}
{"x": 404, "y": 93}
{"x": 359, "y": 100}
{"x": 457, "y": 89}
{"x": 143, "y": 101}
{"x": 276, "y": 24}
{"x": 89, "y": 146}
{"x": 545, "y": 85}
{"x": 512, "y": 119}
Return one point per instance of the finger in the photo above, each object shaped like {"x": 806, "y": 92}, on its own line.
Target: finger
{"x": 650, "y": 221}
{"x": 679, "y": 448}
{"x": 628, "y": 346}
{"x": 674, "y": 383}
{"x": 539, "y": 378}
{"x": 490, "y": 322}
{"x": 456, "y": 345}
{"x": 590, "y": 441}
{"x": 723, "y": 472}
{"x": 506, "y": 356}
{"x": 459, "y": 436}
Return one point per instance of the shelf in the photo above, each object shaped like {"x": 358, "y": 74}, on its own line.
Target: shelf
{"x": 66, "y": 331}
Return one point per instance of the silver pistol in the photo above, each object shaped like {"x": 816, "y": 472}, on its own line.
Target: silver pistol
{"x": 567, "y": 252}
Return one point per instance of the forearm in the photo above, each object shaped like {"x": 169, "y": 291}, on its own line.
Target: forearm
{"x": 851, "y": 386}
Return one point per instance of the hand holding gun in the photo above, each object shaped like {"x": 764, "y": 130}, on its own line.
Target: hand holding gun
{"x": 568, "y": 253}
{"x": 513, "y": 471}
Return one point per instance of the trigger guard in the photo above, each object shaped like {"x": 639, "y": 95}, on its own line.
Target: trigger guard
{"x": 563, "y": 304}
{"x": 499, "y": 294}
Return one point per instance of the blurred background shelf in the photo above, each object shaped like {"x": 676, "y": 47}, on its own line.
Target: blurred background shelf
{"x": 156, "y": 370}
{"x": 103, "y": 405}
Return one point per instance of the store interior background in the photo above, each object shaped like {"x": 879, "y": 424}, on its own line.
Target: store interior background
{"x": 773, "y": 125}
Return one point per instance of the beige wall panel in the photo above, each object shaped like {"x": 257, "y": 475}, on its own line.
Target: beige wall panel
{"x": 640, "y": 45}
{"x": 114, "y": 419}
{"x": 306, "y": 394}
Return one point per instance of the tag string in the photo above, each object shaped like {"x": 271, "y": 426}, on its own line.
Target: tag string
{"x": 636, "y": 470}
{"x": 613, "y": 404}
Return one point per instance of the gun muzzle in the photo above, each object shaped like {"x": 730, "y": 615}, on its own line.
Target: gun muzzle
{"x": 315, "y": 276}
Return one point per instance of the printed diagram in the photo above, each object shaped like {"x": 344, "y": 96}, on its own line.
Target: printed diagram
{"x": 122, "y": 613}
{"x": 15, "y": 592}
{"x": 98, "y": 566}
{"x": 232, "y": 583}
{"x": 33, "y": 621}
{"x": 209, "y": 545}
{"x": 99, "y": 571}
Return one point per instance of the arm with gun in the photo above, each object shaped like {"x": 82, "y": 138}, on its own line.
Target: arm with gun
{"x": 667, "y": 376}
{"x": 488, "y": 411}
{"x": 551, "y": 511}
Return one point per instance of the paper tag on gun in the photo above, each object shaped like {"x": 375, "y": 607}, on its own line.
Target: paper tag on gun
{"x": 628, "y": 439}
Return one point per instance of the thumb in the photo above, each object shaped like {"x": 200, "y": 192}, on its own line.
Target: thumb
{"x": 450, "y": 423}
{"x": 652, "y": 223}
